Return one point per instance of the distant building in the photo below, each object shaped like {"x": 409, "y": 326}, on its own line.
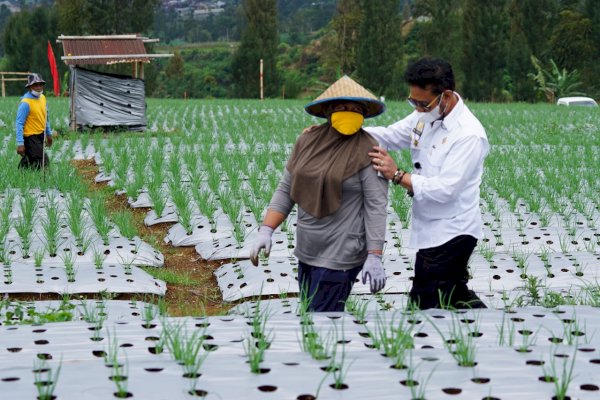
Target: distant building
{"x": 184, "y": 12}
{"x": 12, "y": 7}
{"x": 197, "y": 9}
{"x": 203, "y": 10}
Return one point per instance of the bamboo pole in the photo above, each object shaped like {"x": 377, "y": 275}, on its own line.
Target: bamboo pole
{"x": 14, "y": 73}
{"x": 72, "y": 97}
{"x": 261, "y": 79}
{"x": 5, "y": 79}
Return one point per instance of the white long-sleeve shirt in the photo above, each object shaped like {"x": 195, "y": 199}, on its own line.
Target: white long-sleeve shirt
{"x": 447, "y": 169}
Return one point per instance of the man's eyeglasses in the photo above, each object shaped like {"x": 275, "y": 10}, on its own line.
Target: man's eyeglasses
{"x": 421, "y": 104}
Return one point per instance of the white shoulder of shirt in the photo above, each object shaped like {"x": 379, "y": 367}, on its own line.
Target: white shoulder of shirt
{"x": 468, "y": 125}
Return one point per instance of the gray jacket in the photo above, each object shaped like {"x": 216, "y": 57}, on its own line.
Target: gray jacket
{"x": 340, "y": 241}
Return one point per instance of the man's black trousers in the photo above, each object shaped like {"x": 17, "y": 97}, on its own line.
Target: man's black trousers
{"x": 441, "y": 276}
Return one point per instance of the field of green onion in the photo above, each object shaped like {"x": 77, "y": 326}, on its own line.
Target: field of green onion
{"x": 208, "y": 169}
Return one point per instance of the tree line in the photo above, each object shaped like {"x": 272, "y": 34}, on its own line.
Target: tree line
{"x": 501, "y": 50}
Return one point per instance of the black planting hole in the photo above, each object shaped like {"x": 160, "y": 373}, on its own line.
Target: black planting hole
{"x": 452, "y": 391}
{"x": 267, "y": 388}
{"x": 589, "y": 387}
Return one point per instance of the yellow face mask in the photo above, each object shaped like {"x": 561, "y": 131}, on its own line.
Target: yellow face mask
{"x": 347, "y": 122}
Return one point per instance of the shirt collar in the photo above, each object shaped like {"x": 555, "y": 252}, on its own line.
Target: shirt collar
{"x": 451, "y": 120}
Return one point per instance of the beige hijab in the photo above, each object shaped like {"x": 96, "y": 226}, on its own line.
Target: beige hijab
{"x": 321, "y": 160}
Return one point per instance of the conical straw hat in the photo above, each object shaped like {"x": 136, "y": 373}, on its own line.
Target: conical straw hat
{"x": 345, "y": 88}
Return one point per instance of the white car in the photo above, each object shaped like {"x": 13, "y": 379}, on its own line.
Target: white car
{"x": 577, "y": 101}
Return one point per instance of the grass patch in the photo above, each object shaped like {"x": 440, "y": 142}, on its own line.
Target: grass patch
{"x": 172, "y": 277}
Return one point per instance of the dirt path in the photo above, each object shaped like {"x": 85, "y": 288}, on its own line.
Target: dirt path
{"x": 191, "y": 286}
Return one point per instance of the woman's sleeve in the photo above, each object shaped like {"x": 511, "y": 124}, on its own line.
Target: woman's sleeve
{"x": 375, "y": 199}
{"x": 281, "y": 201}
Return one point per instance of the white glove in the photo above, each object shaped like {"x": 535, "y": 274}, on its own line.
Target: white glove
{"x": 373, "y": 270}
{"x": 262, "y": 241}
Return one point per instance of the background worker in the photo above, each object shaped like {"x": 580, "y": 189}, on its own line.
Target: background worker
{"x": 448, "y": 146}
{"x": 33, "y": 124}
{"x": 341, "y": 200}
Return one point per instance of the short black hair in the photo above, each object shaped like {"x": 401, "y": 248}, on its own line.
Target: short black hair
{"x": 430, "y": 72}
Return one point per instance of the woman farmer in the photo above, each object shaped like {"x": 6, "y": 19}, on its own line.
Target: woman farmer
{"x": 341, "y": 200}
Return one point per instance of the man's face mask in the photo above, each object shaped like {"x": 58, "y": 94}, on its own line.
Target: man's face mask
{"x": 434, "y": 114}
{"x": 347, "y": 122}
{"x": 36, "y": 93}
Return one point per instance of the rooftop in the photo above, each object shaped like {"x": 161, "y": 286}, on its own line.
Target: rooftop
{"x": 106, "y": 49}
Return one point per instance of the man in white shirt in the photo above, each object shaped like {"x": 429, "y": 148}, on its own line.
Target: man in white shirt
{"x": 448, "y": 147}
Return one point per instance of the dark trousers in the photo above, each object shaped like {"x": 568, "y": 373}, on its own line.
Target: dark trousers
{"x": 441, "y": 276}
{"x": 326, "y": 289}
{"x": 34, "y": 157}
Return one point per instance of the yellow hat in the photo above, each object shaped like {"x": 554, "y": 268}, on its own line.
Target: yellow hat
{"x": 345, "y": 88}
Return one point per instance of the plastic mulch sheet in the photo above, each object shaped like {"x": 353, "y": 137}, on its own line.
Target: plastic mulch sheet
{"x": 241, "y": 279}
{"x": 500, "y": 278}
{"x": 204, "y": 231}
{"x": 229, "y": 248}
{"x": 13, "y": 312}
{"x": 278, "y": 275}
{"x": 29, "y": 266}
{"x": 169, "y": 215}
{"x": 289, "y": 305}
{"x": 120, "y": 250}
{"x": 538, "y": 338}
{"x": 86, "y": 278}
{"x": 81, "y": 153}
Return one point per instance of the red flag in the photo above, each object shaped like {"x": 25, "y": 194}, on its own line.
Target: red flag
{"x": 53, "y": 70}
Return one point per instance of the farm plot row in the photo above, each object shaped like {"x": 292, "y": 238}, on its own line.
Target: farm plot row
{"x": 56, "y": 243}
{"x": 218, "y": 235}
{"x": 213, "y": 176}
{"x": 369, "y": 354}
{"x": 540, "y": 205}
{"x": 54, "y": 239}
{"x": 37, "y": 313}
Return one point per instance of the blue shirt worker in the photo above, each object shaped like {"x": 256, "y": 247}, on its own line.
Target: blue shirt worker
{"x": 448, "y": 146}
{"x": 33, "y": 124}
